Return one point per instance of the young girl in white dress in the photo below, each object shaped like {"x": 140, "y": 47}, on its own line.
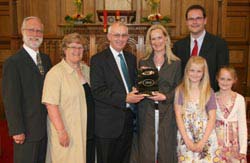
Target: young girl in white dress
{"x": 195, "y": 109}
{"x": 231, "y": 126}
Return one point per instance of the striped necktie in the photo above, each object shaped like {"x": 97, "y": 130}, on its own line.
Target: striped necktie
{"x": 39, "y": 64}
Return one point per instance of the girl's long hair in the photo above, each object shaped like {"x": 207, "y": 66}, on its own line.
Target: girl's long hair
{"x": 204, "y": 85}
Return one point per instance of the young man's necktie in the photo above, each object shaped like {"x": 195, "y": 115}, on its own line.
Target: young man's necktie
{"x": 195, "y": 49}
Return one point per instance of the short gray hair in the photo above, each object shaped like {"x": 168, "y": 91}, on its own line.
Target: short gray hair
{"x": 29, "y": 18}
{"x": 119, "y": 24}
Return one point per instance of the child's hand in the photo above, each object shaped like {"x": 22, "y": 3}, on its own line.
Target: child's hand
{"x": 241, "y": 156}
{"x": 199, "y": 146}
{"x": 190, "y": 145}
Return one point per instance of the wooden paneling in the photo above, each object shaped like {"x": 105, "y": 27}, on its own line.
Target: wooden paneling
{"x": 237, "y": 26}
{"x": 4, "y": 42}
{"x": 4, "y": 25}
{"x": 3, "y": 55}
{"x": 235, "y": 30}
{"x": 238, "y": 2}
{"x": 118, "y": 5}
{"x": 164, "y": 9}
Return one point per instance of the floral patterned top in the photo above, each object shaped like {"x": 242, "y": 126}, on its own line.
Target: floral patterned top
{"x": 231, "y": 127}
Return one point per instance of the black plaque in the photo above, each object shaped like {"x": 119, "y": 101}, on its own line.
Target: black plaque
{"x": 147, "y": 81}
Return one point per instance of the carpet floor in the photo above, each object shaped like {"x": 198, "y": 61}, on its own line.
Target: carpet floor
{"x": 6, "y": 144}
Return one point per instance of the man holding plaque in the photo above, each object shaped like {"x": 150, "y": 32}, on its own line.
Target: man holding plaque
{"x": 157, "y": 125}
{"x": 112, "y": 75}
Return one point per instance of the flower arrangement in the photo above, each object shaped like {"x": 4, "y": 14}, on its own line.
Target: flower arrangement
{"x": 154, "y": 4}
{"x": 152, "y": 18}
{"x": 78, "y": 18}
{"x": 78, "y": 4}
{"x": 155, "y": 16}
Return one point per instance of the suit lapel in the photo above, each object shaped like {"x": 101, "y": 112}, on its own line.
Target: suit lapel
{"x": 44, "y": 62}
{"x": 187, "y": 48}
{"x": 131, "y": 69}
{"x": 113, "y": 66}
{"x": 29, "y": 61}
{"x": 205, "y": 46}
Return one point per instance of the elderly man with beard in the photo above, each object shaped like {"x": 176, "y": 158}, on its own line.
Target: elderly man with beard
{"x": 22, "y": 84}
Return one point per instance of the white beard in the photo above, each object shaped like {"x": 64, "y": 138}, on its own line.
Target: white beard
{"x": 32, "y": 42}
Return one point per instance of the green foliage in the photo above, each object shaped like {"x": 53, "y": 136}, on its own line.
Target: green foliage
{"x": 156, "y": 18}
{"x": 79, "y": 18}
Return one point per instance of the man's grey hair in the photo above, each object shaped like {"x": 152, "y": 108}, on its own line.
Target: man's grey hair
{"x": 29, "y": 18}
{"x": 119, "y": 24}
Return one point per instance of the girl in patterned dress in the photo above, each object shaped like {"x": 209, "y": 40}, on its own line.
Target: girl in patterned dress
{"x": 195, "y": 109}
{"x": 231, "y": 126}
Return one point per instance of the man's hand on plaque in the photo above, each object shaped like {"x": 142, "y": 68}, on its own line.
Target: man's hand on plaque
{"x": 157, "y": 96}
{"x": 134, "y": 97}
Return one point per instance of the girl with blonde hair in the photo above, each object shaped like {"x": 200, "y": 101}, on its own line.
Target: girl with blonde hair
{"x": 231, "y": 124}
{"x": 195, "y": 110}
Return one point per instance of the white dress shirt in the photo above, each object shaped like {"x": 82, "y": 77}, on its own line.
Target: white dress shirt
{"x": 117, "y": 60}
{"x": 31, "y": 52}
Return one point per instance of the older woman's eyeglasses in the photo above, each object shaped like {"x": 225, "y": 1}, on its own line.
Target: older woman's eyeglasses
{"x": 75, "y": 48}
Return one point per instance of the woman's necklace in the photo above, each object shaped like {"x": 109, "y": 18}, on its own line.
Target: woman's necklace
{"x": 159, "y": 60}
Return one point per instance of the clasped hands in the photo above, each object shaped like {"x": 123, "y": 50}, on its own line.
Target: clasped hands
{"x": 195, "y": 147}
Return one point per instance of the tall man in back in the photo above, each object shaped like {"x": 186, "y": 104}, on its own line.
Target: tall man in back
{"x": 202, "y": 43}
{"x": 22, "y": 84}
{"x": 112, "y": 75}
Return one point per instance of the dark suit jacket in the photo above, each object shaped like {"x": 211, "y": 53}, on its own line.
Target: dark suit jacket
{"x": 213, "y": 49}
{"x": 22, "y": 86}
{"x": 109, "y": 92}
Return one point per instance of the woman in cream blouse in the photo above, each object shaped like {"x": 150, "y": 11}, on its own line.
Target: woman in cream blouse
{"x": 64, "y": 95}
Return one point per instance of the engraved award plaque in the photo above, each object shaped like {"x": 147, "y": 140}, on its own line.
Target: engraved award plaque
{"x": 147, "y": 81}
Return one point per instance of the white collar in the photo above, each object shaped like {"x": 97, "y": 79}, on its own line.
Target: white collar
{"x": 200, "y": 38}
{"x": 114, "y": 52}
{"x": 31, "y": 52}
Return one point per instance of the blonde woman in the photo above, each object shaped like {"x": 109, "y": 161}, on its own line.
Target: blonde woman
{"x": 157, "y": 126}
{"x": 195, "y": 109}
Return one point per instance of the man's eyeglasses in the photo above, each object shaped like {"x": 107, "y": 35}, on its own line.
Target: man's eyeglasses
{"x": 31, "y": 30}
{"x": 118, "y": 35}
{"x": 195, "y": 19}
{"x": 75, "y": 48}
